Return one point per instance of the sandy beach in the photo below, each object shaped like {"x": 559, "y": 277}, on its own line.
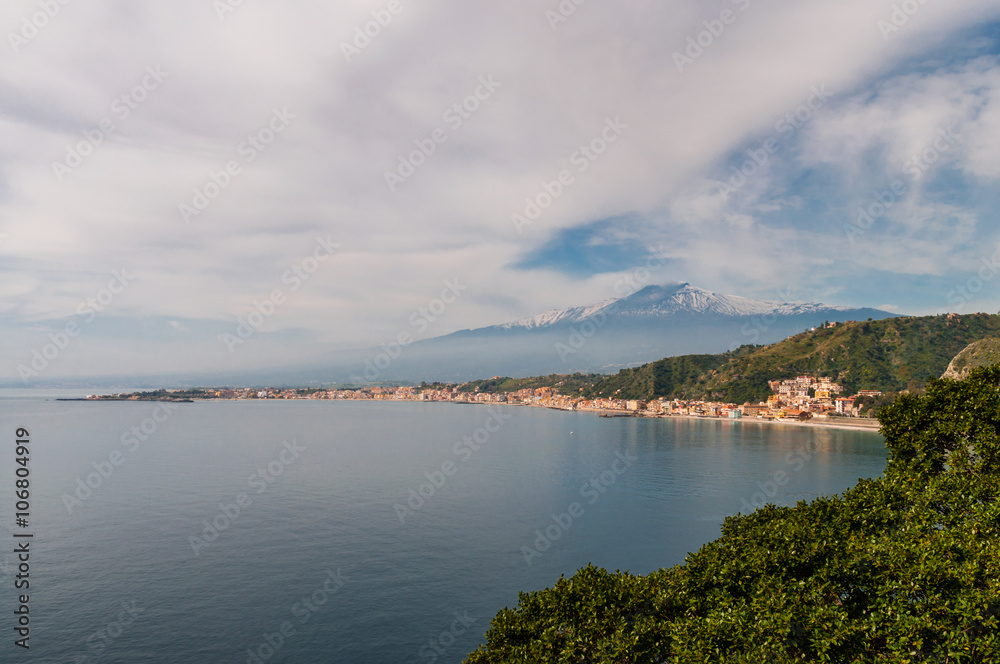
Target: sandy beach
{"x": 839, "y": 423}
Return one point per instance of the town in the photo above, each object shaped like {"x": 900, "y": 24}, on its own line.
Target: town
{"x": 801, "y": 399}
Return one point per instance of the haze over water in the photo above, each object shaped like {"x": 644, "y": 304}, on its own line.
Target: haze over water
{"x": 318, "y": 522}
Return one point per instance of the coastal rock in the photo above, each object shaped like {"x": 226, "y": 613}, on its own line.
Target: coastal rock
{"x": 983, "y": 353}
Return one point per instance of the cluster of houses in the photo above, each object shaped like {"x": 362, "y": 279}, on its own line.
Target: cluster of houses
{"x": 801, "y": 398}
{"x": 805, "y": 397}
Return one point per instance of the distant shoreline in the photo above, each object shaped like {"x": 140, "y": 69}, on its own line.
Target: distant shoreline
{"x": 862, "y": 425}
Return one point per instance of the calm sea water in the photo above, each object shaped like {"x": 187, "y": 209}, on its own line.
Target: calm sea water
{"x": 152, "y": 563}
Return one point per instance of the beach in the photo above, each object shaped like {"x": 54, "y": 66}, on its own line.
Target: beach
{"x": 839, "y": 423}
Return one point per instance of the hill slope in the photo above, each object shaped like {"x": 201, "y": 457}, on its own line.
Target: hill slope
{"x": 889, "y": 355}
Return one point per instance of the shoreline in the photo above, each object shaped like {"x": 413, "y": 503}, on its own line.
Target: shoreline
{"x": 844, "y": 426}
{"x": 867, "y": 425}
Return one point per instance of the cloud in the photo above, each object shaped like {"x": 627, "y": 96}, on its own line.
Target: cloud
{"x": 324, "y": 174}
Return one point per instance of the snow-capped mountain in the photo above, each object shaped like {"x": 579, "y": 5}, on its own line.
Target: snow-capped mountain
{"x": 655, "y": 322}
{"x": 657, "y": 301}
{"x": 556, "y": 316}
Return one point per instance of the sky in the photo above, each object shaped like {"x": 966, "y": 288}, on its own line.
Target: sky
{"x": 330, "y": 175}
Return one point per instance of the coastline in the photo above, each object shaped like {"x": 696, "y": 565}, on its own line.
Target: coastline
{"x": 868, "y": 425}
{"x": 838, "y": 423}
{"x": 846, "y": 426}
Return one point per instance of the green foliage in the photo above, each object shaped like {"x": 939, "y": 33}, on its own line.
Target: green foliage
{"x": 872, "y": 406}
{"x": 569, "y": 384}
{"x": 663, "y": 377}
{"x": 902, "y": 568}
{"x": 595, "y": 616}
{"x": 954, "y": 426}
{"x": 891, "y": 355}
{"x": 436, "y": 385}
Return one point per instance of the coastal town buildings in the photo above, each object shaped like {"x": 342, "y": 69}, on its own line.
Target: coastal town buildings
{"x": 799, "y": 399}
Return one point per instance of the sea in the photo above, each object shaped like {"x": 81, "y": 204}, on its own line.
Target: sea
{"x": 354, "y": 531}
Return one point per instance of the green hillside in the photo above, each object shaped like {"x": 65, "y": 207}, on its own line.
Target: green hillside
{"x": 561, "y": 383}
{"x": 891, "y": 355}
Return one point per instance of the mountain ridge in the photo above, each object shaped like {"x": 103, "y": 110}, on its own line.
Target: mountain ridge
{"x": 653, "y": 322}
{"x": 667, "y": 299}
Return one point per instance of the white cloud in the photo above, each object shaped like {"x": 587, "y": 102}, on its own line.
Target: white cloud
{"x": 324, "y": 174}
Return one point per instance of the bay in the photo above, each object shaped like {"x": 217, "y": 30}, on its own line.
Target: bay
{"x": 330, "y": 542}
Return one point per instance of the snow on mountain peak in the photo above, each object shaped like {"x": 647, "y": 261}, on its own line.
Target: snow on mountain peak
{"x": 666, "y": 300}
